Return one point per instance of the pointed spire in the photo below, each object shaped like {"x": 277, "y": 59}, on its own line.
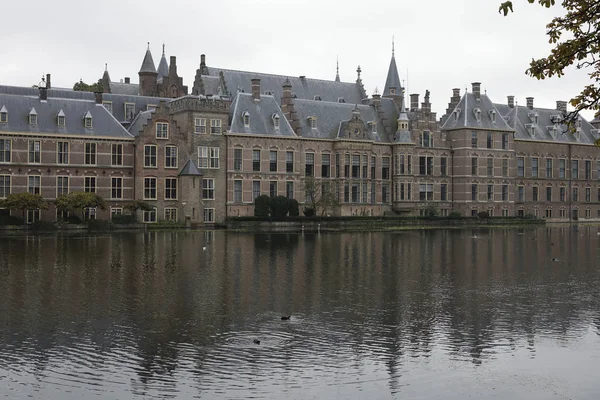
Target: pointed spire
{"x": 392, "y": 82}
{"x": 105, "y": 67}
{"x": 337, "y": 69}
{"x": 163, "y": 66}
{"x": 148, "y": 63}
{"x": 358, "y": 71}
{"x": 163, "y": 50}
{"x": 393, "y": 49}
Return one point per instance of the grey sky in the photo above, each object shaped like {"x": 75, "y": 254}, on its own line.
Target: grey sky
{"x": 443, "y": 44}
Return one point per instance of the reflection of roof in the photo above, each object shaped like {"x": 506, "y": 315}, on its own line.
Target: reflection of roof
{"x": 190, "y": 169}
{"x": 302, "y": 87}
{"x": 261, "y": 115}
{"x": 74, "y": 111}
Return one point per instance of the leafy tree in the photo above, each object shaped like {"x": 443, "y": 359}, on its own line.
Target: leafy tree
{"x": 24, "y": 201}
{"x": 280, "y": 206}
{"x": 136, "y": 205}
{"x": 79, "y": 201}
{"x": 262, "y": 206}
{"x": 431, "y": 210}
{"x": 294, "y": 208}
{"x": 81, "y": 86}
{"x": 320, "y": 195}
{"x": 575, "y": 36}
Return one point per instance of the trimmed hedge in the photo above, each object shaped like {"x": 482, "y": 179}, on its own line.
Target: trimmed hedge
{"x": 364, "y": 218}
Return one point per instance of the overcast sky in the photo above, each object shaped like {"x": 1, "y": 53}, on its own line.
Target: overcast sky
{"x": 440, "y": 44}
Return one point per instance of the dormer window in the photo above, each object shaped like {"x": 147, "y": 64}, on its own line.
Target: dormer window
{"x": 317, "y": 97}
{"x": 596, "y": 134}
{"x": 533, "y": 117}
{"x": 373, "y": 125}
{"x": 477, "y": 113}
{"x": 3, "y": 115}
{"x": 531, "y": 128}
{"x": 275, "y": 118}
{"x": 246, "y": 118}
{"x": 33, "y": 117}
{"x": 578, "y": 123}
{"x": 313, "y": 122}
{"x": 493, "y": 116}
{"x": 556, "y": 119}
{"x": 456, "y": 114}
{"x": 577, "y": 135}
{"x": 87, "y": 120}
{"x": 341, "y": 100}
{"x": 553, "y": 130}
{"x": 60, "y": 118}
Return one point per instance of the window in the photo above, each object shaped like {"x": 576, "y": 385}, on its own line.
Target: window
{"x": 62, "y": 186}
{"x": 149, "y": 188}
{"x": 535, "y": 193}
{"x": 588, "y": 169}
{"x": 425, "y": 191}
{"x": 364, "y": 191}
{"x": 372, "y": 193}
{"x": 408, "y": 164}
{"x": 162, "y": 130}
{"x": 474, "y": 139}
{"x": 444, "y": 192}
{"x": 129, "y": 111}
{"x": 115, "y": 211}
{"x": 548, "y": 168}
{"x": 276, "y": 121}
{"x": 108, "y": 106}
{"x": 215, "y": 126}
{"x": 548, "y": 193}
{"x": 116, "y": 188}
{"x": 273, "y": 160}
{"x": 444, "y": 166}
{"x": 562, "y": 168}
{"x": 326, "y": 165}
{"x": 401, "y": 191}
{"x": 588, "y": 195}
{"x": 255, "y": 190}
{"x": 273, "y": 188}
{"x": 562, "y": 194}
{"x": 199, "y": 125}
{"x": 347, "y": 165}
{"x": 208, "y": 189}
{"x": 402, "y": 170}
{"x": 33, "y": 216}
{"x": 309, "y": 164}
{"x": 474, "y": 192}
{"x": 574, "y": 169}
{"x": 246, "y": 119}
{"x": 3, "y": 115}
{"x": 365, "y": 166}
{"x": 385, "y": 168}
{"x": 209, "y": 215}
{"x": 505, "y": 141}
{"x": 534, "y": 167}
{"x": 474, "y": 165}
{"x": 90, "y": 153}
{"x": 90, "y": 184}
{"x": 505, "y": 167}
{"x": 490, "y": 166}
{"x": 490, "y": 140}
{"x": 87, "y": 120}
{"x": 237, "y": 159}
{"x": 289, "y": 190}
{"x": 34, "y": 183}
{"x": 116, "y": 154}
{"x": 575, "y": 194}
{"x": 588, "y": 213}
{"x": 313, "y": 122}
{"x": 346, "y": 192}
{"x": 170, "y": 188}
{"x": 150, "y": 156}
{"x": 35, "y": 152}
{"x": 171, "y": 156}
{"x": 385, "y": 193}
{"x": 548, "y": 213}
{"x": 355, "y": 166}
{"x": 62, "y": 152}
{"x": 150, "y": 216}
{"x": 171, "y": 214}
{"x": 237, "y": 191}
{"x": 208, "y": 157}
{"x": 373, "y": 166}
{"x": 490, "y": 192}
{"x": 4, "y": 186}
{"x": 426, "y": 139}
{"x": 520, "y": 167}
{"x": 504, "y": 192}
{"x": 5, "y": 147}
{"x": 289, "y": 161}
{"x": 408, "y": 191}
{"x": 426, "y": 165}
{"x": 256, "y": 160}
{"x": 520, "y": 193}
{"x": 33, "y": 117}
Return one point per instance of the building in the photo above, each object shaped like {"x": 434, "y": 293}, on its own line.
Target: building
{"x": 206, "y": 156}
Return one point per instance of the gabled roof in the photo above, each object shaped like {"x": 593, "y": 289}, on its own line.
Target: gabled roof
{"x": 139, "y": 122}
{"x": 3, "y": 109}
{"x": 392, "y": 80}
{"x": 302, "y": 87}
{"x": 260, "y": 116}
{"x": 190, "y": 169}
{"x": 465, "y": 111}
{"x": 148, "y": 63}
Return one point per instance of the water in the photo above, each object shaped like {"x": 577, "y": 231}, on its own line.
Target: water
{"x": 434, "y": 314}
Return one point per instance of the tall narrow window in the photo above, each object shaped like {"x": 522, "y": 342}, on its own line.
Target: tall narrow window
{"x": 237, "y": 191}
{"x": 521, "y": 193}
{"x": 426, "y": 165}
{"x": 373, "y": 166}
{"x": 255, "y": 190}
{"x": 534, "y": 167}
{"x": 116, "y": 154}
{"x": 5, "y": 150}
{"x": 505, "y": 141}
{"x": 209, "y": 215}
{"x": 574, "y": 169}
{"x": 3, "y": 115}
{"x": 444, "y": 166}
{"x": 273, "y": 161}
{"x": 208, "y": 189}
{"x": 62, "y": 152}
{"x": 385, "y": 168}
{"x": 575, "y": 194}
{"x": 355, "y": 165}
{"x": 505, "y": 167}
{"x": 425, "y": 139}
{"x": 215, "y": 126}
{"x": 562, "y": 168}
{"x": 562, "y": 194}
{"x": 256, "y": 160}
{"x": 4, "y": 186}
{"x": 129, "y": 111}
{"x": 162, "y": 130}
{"x": 199, "y": 125}
{"x": 474, "y": 192}
{"x": 474, "y": 139}
{"x": 35, "y": 152}
{"x": 548, "y": 193}
{"x": 90, "y": 153}
{"x": 347, "y": 165}
{"x": 170, "y": 188}
{"x": 520, "y": 167}
{"x": 443, "y": 192}
{"x": 535, "y": 193}
{"x": 588, "y": 169}
{"x": 474, "y": 165}
{"x": 309, "y": 165}
{"x": 150, "y": 156}
{"x": 171, "y": 156}
{"x": 62, "y": 186}
{"x": 490, "y": 140}
{"x": 490, "y": 192}
{"x": 149, "y": 188}
{"x": 548, "y": 168}
{"x": 325, "y": 165}
{"x": 490, "y": 166}
{"x": 34, "y": 184}
{"x": 237, "y": 159}
{"x": 504, "y": 192}
{"x": 90, "y": 184}
{"x": 116, "y": 187}
{"x": 365, "y": 167}
{"x": 289, "y": 161}
{"x": 273, "y": 188}
{"x": 87, "y": 120}
{"x": 289, "y": 189}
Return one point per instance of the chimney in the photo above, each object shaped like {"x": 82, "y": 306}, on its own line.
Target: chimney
{"x": 476, "y": 89}
{"x": 98, "y": 97}
{"x": 529, "y": 102}
{"x": 456, "y": 92}
{"x": 561, "y": 106}
{"x": 48, "y": 86}
{"x": 256, "y": 89}
{"x": 414, "y": 101}
{"x": 202, "y": 60}
{"x": 376, "y": 100}
{"x": 511, "y": 101}
{"x": 43, "y": 93}
{"x": 127, "y": 79}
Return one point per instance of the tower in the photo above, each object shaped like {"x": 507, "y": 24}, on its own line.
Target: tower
{"x": 393, "y": 87}
{"x": 148, "y": 75}
{"x": 163, "y": 66}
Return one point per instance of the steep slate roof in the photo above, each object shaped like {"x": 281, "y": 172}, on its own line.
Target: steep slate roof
{"x": 260, "y": 116}
{"x": 139, "y": 122}
{"x": 141, "y": 103}
{"x": 330, "y": 115}
{"x": 392, "y": 80}
{"x": 129, "y": 89}
{"x": 19, "y": 107}
{"x": 390, "y": 113}
{"x": 190, "y": 169}
{"x": 212, "y": 85}
{"x": 163, "y": 66}
{"x": 148, "y": 63}
{"x": 303, "y": 88}
{"x": 466, "y": 119}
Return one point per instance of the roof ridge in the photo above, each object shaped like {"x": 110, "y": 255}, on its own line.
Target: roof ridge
{"x": 279, "y": 75}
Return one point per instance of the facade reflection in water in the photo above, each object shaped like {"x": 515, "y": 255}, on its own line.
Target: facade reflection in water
{"x": 155, "y": 315}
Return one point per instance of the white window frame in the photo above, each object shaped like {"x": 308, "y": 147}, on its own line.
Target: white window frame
{"x": 6, "y": 154}
{"x": 171, "y": 189}
{"x": 118, "y": 156}
{"x": 149, "y": 216}
{"x": 88, "y": 155}
{"x": 200, "y": 125}
{"x": 87, "y": 184}
{"x": 169, "y": 157}
{"x": 129, "y": 116}
{"x": 116, "y": 211}
{"x": 36, "y": 185}
{"x": 210, "y": 213}
{"x": 32, "y": 216}
{"x": 63, "y": 191}
{"x": 5, "y": 190}
{"x": 162, "y": 130}
{"x": 148, "y": 189}
{"x": 216, "y": 126}
{"x": 170, "y": 214}
{"x": 108, "y": 106}
{"x": 118, "y": 188}
{"x": 34, "y": 152}
{"x": 210, "y": 189}
{"x": 208, "y": 157}
{"x": 63, "y": 153}
{"x": 149, "y": 157}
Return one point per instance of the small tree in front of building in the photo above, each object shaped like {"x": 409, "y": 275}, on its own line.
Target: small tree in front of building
{"x": 23, "y": 202}
{"x": 77, "y": 202}
{"x": 280, "y": 206}
{"x": 294, "y": 208}
{"x": 136, "y": 205}
{"x": 320, "y": 195}
{"x": 262, "y": 206}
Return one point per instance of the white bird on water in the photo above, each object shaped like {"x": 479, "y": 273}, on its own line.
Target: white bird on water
{"x": 204, "y": 248}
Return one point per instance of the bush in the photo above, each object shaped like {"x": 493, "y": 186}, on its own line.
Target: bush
{"x": 122, "y": 219}
{"x": 10, "y": 220}
{"x": 98, "y": 224}
{"x": 531, "y": 216}
{"x": 455, "y": 214}
{"x": 73, "y": 219}
{"x": 431, "y": 211}
{"x": 483, "y": 214}
{"x": 279, "y": 206}
{"x": 308, "y": 212}
{"x": 262, "y": 206}
{"x": 294, "y": 209}
{"x": 43, "y": 226}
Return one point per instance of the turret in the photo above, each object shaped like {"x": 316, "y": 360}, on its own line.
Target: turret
{"x": 148, "y": 75}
